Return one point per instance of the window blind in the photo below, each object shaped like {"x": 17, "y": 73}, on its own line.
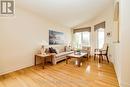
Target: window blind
{"x": 82, "y": 29}
{"x": 100, "y": 25}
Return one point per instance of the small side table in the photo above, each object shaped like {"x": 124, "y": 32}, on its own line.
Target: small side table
{"x": 43, "y": 57}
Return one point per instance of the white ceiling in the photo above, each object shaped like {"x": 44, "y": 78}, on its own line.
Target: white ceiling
{"x": 67, "y": 12}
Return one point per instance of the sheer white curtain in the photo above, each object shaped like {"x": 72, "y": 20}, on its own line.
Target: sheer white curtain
{"x": 100, "y": 34}
{"x": 82, "y": 39}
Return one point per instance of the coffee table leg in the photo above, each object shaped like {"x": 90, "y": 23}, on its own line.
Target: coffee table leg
{"x": 43, "y": 62}
{"x": 79, "y": 61}
{"x": 35, "y": 60}
{"x": 67, "y": 58}
{"x": 87, "y": 56}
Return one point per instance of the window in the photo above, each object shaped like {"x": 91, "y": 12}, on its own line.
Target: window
{"x": 82, "y": 39}
{"x": 86, "y": 39}
{"x": 78, "y": 40}
{"x": 100, "y": 38}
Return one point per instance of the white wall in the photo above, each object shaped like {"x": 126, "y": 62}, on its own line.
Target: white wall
{"x": 21, "y": 35}
{"x": 124, "y": 43}
{"x": 107, "y": 16}
{"x": 121, "y": 50}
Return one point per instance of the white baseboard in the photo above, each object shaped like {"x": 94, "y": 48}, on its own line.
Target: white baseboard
{"x": 121, "y": 83}
{"x": 15, "y": 69}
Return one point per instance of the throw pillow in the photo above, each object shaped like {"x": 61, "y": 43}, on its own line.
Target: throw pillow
{"x": 52, "y": 50}
{"x": 57, "y": 50}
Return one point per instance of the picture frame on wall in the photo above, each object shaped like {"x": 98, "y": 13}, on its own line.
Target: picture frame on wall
{"x": 56, "y": 38}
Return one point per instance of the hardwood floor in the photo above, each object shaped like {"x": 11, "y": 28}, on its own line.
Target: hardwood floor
{"x": 90, "y": 74}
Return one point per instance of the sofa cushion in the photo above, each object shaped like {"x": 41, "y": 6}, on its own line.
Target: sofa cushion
{"x": 61, "y": 54}
{"x": 69, "y": 52}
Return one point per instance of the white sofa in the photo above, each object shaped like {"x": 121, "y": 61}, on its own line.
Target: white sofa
{"x": 60, "y": 56}
{"x": 62, "y": 52}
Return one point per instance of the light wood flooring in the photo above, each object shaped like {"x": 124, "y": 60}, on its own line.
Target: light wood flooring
{"x": 90, "y": 74}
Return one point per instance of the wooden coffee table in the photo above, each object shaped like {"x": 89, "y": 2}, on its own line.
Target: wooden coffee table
{"x": 79, "y": 57}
